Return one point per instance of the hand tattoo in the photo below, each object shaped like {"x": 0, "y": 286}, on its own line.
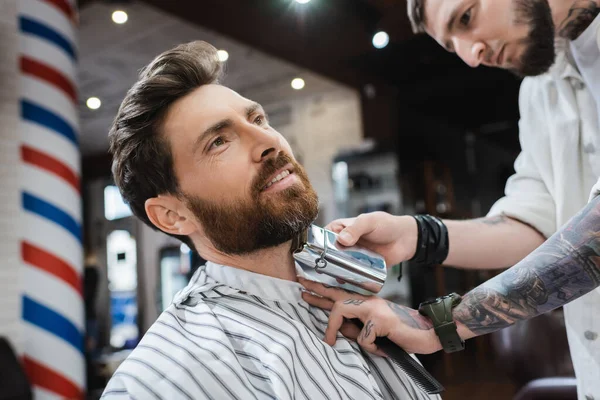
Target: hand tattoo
{"x": 410, "y": 317}
{"x": 366, "y": 332}
{"x": 354, "y": 302}
{"x": 580, "y": 16}
{"x": 564, "y": 268}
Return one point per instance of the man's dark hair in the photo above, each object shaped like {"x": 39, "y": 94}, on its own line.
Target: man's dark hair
{"x": 416, "y": 15}
{"x": 142, "y": 161}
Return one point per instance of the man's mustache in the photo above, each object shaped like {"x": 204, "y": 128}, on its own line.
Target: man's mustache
{"x": 269, "y": 167}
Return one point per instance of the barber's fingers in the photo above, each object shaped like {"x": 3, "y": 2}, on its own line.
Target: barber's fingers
{"x": 329, "y": 292}
{"x": 339, "y": 224}
{"x": 317, "y": 301}
{"x": 336, "y": 320}
{"x": 361, "y": 226}
{"x": 367, "y": 337}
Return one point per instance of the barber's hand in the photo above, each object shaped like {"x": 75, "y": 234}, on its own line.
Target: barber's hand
{"x": 394, "y": 237}
{"x": 402, "y": 325}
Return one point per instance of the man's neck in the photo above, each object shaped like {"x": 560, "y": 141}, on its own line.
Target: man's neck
{"x": 572, "y": 17}
{"x": 276, "y": 262}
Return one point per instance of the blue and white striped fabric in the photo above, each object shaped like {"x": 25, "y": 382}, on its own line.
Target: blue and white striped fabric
{"x": 234, "y": 334}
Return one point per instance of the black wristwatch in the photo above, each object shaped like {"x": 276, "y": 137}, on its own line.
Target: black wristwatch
{"x": 440, "y": 313}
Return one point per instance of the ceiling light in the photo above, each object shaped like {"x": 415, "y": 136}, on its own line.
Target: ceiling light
{"x": 380, "y": 40}
{"x": 223, "y": 55}
{"x": 119, "y": 17}
{"x": 93, "y": 103}
{"x": 298, "y": 83}
{"x": 302, "y": 1}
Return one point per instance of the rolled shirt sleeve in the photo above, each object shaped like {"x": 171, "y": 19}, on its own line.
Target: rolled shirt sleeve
{"x": 527, "y": 198}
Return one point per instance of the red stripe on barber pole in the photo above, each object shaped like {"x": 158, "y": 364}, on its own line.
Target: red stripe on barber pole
{"x": 46, "y": 378}
{"x": 64, "y": 6}
{"x": 50, "y": 263}
{"x": 49, "y": 75}
{"x": 50, "y": 164}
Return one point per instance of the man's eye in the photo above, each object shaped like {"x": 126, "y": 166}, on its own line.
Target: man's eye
{"x": 466, "y": 18}
{"x": 217, "y": 142}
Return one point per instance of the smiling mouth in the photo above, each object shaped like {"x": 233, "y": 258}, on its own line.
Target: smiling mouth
{"x": 280, "y": 176}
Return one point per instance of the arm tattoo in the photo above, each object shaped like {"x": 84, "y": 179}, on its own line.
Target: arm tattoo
{"x": 580, "y": 16}
{"x": 410, "y": 317}
{"x": 564, "y": 268}
{"x": 354, "y": 302}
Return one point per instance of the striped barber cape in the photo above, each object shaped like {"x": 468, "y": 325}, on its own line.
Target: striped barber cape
{"x": 234, "y": 334}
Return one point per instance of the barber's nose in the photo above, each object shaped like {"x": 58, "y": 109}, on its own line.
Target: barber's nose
{"x": 472, "y": 53}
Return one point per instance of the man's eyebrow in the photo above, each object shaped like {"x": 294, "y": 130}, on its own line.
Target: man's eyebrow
{"x": 453, "y": 16}
{"x": 254, "y": 107}
{"x": 450, "y": 27}
{"x": 215, "y": 128}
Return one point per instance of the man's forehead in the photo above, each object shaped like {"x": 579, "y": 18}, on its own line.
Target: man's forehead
{"x": 205, "y": 106}
{"x": 209, "y": 99}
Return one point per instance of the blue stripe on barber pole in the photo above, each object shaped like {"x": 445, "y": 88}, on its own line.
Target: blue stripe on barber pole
{"x": 35, "y": 113}
{"x": 28, "y": 25}
{"x": 51, "y": 321}
{"x": 52, "y": 213}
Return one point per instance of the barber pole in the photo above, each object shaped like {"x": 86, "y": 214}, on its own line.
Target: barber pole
{"x": 51, "y": 233}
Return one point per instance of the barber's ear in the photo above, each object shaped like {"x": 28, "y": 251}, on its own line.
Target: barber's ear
{"x": 168, "y": 214}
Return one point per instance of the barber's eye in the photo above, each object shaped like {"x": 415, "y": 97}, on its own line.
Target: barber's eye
{"x": 259, "y": 120}
{"x": 466, "y": 18}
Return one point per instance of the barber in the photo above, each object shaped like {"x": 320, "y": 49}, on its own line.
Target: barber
{"x": 547, "y": 226}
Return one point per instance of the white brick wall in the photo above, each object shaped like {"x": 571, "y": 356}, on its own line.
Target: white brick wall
{"x": 10, "y": 260}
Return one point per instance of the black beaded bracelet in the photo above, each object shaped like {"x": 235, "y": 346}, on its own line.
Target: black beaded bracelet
{"x": 432, "y": 241}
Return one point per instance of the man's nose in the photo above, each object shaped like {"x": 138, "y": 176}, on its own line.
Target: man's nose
{"x": 266, "y": 143}
{"x": 472, "y": 53}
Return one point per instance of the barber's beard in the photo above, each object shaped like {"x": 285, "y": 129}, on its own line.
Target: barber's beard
{"x": 263, "y": 221}
{"x": 539, "y": 53}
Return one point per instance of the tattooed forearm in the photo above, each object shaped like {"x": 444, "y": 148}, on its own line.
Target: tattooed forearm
{"x": 580, "y": 16}
{"x": 564, "y": 268}
{"x": 410, "y": 317}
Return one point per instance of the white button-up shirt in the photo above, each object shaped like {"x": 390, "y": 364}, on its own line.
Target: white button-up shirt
{"x": 234, "y": 334}
{"x": 555, "y": 172}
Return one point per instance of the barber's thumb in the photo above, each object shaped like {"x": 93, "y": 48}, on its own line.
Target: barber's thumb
{"x": 347, "y": 238}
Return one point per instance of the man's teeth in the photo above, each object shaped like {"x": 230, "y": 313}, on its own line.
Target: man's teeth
{"x": 278, "y": 178}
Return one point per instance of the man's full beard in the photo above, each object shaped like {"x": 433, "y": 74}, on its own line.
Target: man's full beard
{"x": 244, "y": 226}
{"x": 539, "y": 52}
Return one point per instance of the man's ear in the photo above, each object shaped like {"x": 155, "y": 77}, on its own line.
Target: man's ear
{"x": 168, "y": 214}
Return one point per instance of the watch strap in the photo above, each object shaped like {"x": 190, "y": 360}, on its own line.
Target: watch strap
{"x": 440, "y": 313}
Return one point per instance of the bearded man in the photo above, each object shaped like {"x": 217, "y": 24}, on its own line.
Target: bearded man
{"x": 201, "y": 163}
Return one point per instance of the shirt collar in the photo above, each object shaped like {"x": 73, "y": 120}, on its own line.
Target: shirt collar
{"x": 564, "y": 66}
{"x": 263, "y": 286}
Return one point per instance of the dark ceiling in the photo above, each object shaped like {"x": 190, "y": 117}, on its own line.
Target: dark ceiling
{"x": 421, "y": 91}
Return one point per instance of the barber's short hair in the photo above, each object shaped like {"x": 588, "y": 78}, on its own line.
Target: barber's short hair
{"x": 142, "y": 164}
{"x": 416, "y": 15}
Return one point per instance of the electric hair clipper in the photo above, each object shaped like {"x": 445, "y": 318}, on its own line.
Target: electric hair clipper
{"x": 318, "y": 248}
